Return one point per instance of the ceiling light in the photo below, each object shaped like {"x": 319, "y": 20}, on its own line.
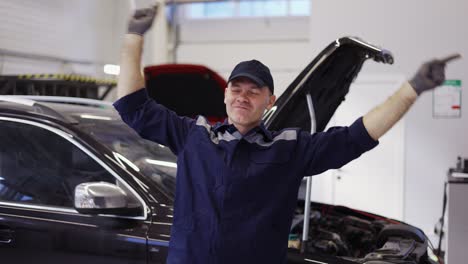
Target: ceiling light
{"x": 112, "y": 69}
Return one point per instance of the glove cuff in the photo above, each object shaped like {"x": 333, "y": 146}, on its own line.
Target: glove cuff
{"x": 134, "y": 33}
{"x": 417, "y": 84}
{"x": 135, "y": 29}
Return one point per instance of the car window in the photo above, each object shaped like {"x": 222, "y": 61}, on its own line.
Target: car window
{"x": 154, "y": 161}
{"x": 40, "y": 167}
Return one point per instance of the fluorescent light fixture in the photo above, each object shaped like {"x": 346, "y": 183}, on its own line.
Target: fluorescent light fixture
{"x": 112, "y": 69}
{"x": 95, "y": 117}
{"x": 162, "y": 163}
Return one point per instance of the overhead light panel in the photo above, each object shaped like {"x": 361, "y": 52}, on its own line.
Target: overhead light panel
{"x": 112, "y": 69}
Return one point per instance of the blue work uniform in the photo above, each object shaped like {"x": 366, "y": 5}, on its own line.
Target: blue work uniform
{"x": 235, "y": 193}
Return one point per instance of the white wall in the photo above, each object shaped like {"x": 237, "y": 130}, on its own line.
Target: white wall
{"x": 77, "y": 30}
{"x": 414, "y": 31}
{"x": 280, "y": 43}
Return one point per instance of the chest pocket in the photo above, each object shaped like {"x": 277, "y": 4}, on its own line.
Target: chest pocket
{"x": 278, "y": 153}
{"x": 270, "y": 166}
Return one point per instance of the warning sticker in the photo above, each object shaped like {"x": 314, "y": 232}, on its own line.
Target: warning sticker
{"x": 447, "y": 100}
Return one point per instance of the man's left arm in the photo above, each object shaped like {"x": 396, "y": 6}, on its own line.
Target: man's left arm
{"x": 430, "y": 75}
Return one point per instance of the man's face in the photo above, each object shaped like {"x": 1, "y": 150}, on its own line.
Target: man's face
{"x": 246, "y": 102}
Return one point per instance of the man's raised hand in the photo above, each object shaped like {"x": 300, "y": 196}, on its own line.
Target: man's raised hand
{"x": 431, "y": 74}
{"x": 142, "y": 20}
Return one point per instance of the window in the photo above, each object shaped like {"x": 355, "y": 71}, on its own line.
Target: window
{"x": 255, "y": 8}
{"x": 40, "y": 167}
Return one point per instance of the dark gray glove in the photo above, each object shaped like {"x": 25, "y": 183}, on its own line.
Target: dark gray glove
{"x": 142, "y": 20}
{"x": 431, "y": 74}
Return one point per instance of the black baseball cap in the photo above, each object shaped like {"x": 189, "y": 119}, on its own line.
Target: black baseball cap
{"x": 254, "y": 70}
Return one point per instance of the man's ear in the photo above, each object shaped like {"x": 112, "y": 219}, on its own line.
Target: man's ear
{"x": 225, "y": 91}
{"x": 271, "y": 101}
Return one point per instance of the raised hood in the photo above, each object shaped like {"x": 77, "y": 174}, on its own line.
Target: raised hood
{"x": 187, "y": 89}
{"x": 327, "y": 79}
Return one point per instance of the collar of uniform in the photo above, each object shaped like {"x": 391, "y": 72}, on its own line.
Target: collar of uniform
{"x": 222, "y": 127}
{"x": 225, "y": 126}
{"x": 253, "y": 134}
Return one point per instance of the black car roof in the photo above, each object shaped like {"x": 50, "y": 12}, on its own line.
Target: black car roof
{"x": 65, "y": 109}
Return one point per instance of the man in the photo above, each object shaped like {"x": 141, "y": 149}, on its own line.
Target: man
{"x": 237, "y": 181}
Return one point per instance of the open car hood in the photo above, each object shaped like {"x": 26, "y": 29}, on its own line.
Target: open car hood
{"x": 187, "y": 89}
{"x": 327, "y": 79}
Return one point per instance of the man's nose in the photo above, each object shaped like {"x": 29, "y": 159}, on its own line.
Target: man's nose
{"x": 242, "y": 97}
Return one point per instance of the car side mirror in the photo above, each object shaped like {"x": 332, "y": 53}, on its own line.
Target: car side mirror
{"x": 104, "y": 198}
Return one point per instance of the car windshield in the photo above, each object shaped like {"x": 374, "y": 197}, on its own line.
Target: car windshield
{"x": 152, "y": 160}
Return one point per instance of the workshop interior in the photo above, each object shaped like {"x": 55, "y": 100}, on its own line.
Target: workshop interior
{"x": 79, "y": 185}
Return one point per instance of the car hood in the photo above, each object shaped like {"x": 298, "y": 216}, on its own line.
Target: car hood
{"x": 192, "y": 90}
{"x": 187, "y": 89}
{"x": 327, "y": 79}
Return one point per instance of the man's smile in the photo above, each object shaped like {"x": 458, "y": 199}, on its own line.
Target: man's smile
{"x": 241, "y": 107}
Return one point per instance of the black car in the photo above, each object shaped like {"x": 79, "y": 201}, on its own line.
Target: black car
{"x": 78, "y": 186}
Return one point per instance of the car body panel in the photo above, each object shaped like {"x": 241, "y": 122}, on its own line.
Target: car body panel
{"x": 54, "y": 234}
{"x": 50, "y": 236}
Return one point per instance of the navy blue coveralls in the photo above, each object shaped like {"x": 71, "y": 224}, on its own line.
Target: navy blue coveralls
{"x": 236, "y": 194}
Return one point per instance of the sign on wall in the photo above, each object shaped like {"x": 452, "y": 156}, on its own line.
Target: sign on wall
{"x": 446, "y": 100}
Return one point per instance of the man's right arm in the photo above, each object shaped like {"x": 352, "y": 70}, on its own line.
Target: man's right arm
{"x": 130, "y": 78}
{"x": 149, "y": 119}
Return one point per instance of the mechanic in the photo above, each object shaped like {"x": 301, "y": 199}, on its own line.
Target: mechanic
{"x": 237, "y": 182}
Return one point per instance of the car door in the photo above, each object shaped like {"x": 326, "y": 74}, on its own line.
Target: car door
{"x": 39, "y": 167}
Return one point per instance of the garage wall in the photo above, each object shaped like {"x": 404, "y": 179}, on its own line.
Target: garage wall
{"x": 280, "y": 43}
{"x": 53, "y": 36}
{"x": 414, "y": 31}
